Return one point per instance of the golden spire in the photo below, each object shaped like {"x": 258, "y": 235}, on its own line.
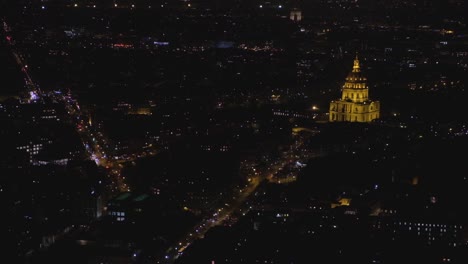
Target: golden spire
{"x": 356, "y": 67}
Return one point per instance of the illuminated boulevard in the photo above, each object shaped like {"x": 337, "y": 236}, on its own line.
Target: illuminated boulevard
{"x": 94, "y": 141}
{"x": 239, "y": 205}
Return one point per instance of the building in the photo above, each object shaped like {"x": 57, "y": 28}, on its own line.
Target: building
{"x": 435, "y": 232}
{"x": 32, "y": 148}
{"x": 295, "y": 15}
{"x": 128, "y": 207}
{"x": 354, "y": 105}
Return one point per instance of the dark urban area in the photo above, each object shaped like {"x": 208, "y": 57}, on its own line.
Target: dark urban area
{"x": 233, "y": 131}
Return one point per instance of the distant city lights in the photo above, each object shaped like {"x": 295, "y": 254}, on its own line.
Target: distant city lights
{"x": 161, "y": 43}
{"x": 33, "y": 96}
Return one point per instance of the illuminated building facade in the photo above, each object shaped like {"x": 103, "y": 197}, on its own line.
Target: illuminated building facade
{"x": 32, "y": 149}
{"x": 449, "y": 234}
{"x": 128, "y": 207}
{"x": 354, "y": 105}
{"x": 295, "y": 15}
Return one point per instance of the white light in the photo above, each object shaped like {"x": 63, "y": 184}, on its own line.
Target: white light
{"x": 261, "y": 6}
{"x": 43, "y": 7}
{"x": 280, "y": 6}
{"x": 33, "y": 96}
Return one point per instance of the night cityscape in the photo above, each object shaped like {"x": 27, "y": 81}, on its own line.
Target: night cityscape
{"x": 233, "y": 131}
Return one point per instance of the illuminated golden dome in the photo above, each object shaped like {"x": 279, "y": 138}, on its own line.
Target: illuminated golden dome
{"x": 354, "y": 105}
{"x": 355, "y": 79}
